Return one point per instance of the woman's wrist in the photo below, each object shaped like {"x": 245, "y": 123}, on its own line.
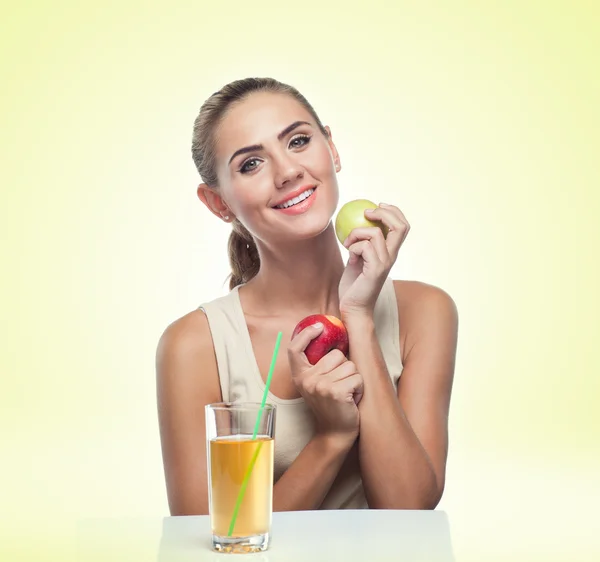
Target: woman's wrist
{"x": 336, "y": 442}
{"x": 357, "y": 319}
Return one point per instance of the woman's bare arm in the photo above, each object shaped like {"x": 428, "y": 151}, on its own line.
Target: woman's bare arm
{"x": 404, "y": 436}
{"x": 187, "y": 380}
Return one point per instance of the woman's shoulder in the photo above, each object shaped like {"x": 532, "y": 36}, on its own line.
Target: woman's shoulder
{"x": 185, "y": 345}
{"x": 419, "y": 302}
{"x": 425, "y": 312}
{"x": 418, "y": 293}
{"x": 189, "y": 330}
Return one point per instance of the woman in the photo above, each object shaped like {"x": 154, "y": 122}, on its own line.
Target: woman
{"x": 351, "y": 432}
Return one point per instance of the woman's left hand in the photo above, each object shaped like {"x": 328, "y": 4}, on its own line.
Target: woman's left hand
{"x": 371, "y": 257}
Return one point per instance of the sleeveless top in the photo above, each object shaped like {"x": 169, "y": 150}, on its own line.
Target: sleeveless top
{"x": 241, "y": 381}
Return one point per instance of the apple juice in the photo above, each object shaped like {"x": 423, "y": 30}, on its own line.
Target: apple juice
{"x": 230, "y": 458}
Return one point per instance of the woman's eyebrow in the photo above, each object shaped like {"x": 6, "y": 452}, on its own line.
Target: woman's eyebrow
{"x": 256, "y": 147}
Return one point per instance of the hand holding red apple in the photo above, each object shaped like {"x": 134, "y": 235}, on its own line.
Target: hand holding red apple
{"x": 333, "y": 336}
{"x": 331, "y": 387}
{"x": 373, "y": 252}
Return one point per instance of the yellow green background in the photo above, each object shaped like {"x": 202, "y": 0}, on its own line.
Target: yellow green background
{"x": 480, "y": 120}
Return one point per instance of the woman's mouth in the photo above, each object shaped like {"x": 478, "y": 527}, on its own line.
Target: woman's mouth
{"x": 298, "y": 204}
{"x": 291, "y": 202}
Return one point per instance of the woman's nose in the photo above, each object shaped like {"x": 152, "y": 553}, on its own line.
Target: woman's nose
{"x": 288, "y": 170}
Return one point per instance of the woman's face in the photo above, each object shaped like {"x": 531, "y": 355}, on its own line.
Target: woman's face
{"x": 276, "y": 170}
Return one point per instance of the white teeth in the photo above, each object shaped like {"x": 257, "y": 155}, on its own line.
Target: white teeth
{"x": 296, "y": 200}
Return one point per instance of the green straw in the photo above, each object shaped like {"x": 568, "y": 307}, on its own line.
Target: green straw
{"x": 248, "y": 473}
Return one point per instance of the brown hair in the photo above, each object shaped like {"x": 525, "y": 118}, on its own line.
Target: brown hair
{"x": 243, "y": 254}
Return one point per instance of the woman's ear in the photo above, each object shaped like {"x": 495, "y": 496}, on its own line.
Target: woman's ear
{"x": 215, "y": 203}
{"x": 334, "y": 152}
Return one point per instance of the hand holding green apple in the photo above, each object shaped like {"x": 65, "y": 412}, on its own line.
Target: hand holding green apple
{"x": 373, "y": 244}
{"x": 352, "y": 215}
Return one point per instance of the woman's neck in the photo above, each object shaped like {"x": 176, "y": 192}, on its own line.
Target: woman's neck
{"x": 298, "y": 279}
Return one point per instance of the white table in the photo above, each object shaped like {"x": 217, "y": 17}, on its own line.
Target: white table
{"x": 313, "y": 536}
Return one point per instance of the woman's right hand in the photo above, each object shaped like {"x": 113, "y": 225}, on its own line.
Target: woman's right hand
{"x": 332, "y": 387}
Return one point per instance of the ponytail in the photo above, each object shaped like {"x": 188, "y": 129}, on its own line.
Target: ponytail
{"x": 243, "y": 256}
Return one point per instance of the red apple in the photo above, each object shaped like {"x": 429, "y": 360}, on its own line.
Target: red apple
{"x": 333, "y": 336}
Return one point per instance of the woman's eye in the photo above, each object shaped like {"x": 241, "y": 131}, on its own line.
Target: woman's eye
{"x": 299, "y": 141}
{"x": 249, "y": 165}
{"x": 252, "y": 163}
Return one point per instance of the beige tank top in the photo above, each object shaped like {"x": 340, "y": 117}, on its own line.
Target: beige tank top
{"x": 241, "y": 381}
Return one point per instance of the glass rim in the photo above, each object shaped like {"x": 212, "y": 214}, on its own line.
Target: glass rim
{"x": 249, "y": 406}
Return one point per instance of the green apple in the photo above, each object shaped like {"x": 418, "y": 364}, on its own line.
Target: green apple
{"x": 352, "y": 215}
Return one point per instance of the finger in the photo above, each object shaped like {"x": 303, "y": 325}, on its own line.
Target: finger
{"x": 333, "y": 387}
{"x": 396, "y": 222}
{"x": 299, "y": 343}
{"x": 347, "y": 389}
{"x": 359, "y": 393}
{"x": 345, "y": 370}
{"x": 394, "y": 210}
{"x": 390, "y": 216}
{"x": 365, "y": 250}
{"x": 385, "y": 213}
{"x": 374, "y": 235}
{"x": 330, "y": 361}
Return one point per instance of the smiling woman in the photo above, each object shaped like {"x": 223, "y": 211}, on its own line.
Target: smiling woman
{"x": 269, "y": 167}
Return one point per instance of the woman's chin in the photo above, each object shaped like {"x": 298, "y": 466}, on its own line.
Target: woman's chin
{"x": 311, "y": 229}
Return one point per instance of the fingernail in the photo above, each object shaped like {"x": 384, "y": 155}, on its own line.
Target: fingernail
{"x": 318, "y": 325}
{"x": 383, "y": 205}
{"x": 369, "y": 211}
